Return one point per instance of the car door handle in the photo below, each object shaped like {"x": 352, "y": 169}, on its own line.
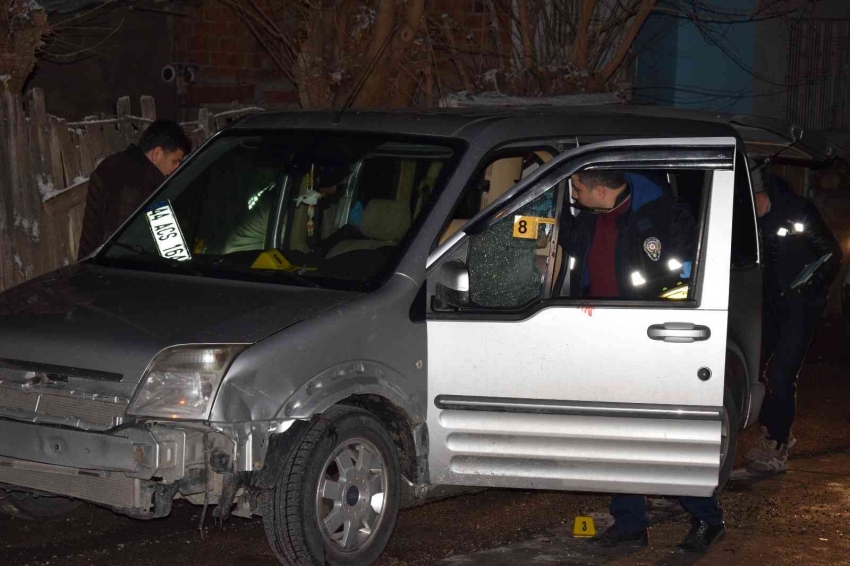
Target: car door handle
{"x": 678, "y": 332}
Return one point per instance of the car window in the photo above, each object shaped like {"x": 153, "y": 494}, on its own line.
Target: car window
{"x": 535, "y": 252}
{"x": 508, "y": 263}
{"x": 300, "y": 207}
{"x": 493, "y": 180}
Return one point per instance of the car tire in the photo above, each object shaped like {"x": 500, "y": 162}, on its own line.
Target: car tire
{"x": 337, "y": 499}
{"x": 728, "y": 436}
{"x": 37, "y": 507}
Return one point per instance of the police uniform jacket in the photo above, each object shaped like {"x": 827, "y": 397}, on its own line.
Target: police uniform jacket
{"x": 794, "y": 236}
{"x": 653, "y": 231}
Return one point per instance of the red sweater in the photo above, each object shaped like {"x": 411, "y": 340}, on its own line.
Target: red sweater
{"x": 600, "y": 260}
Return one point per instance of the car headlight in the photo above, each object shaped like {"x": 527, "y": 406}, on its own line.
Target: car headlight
{"x": 181, "y": 382}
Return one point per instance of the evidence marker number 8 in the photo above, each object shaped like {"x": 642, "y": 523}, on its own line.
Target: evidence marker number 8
{"x": 166, "y": 231}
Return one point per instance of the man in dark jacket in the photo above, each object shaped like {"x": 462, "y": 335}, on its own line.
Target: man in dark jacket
{"x": 795, "y": 236}
{"x": 630, "y": 240}
{"x": 124, "y": 180}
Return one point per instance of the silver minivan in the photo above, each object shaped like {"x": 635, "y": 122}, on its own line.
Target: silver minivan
{"x": 321, "y": 314}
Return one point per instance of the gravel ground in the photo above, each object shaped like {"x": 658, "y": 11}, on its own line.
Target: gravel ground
{"x": 802, "y": 517}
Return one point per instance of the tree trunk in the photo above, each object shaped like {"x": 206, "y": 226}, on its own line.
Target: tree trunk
{"x": 580, "y": 47}
{"x": 525, "y": 34}
{"x": 20, "y": 40}
{"x": 376, "y": 82}
{"x": 646, "y": 7}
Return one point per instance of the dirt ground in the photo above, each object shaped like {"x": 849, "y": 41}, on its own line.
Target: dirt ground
{"x": 801, "y": 517}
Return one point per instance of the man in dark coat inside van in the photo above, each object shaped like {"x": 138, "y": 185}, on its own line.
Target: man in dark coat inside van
{"x": 626, "y": 224}
{"x": 795, "y": 237}
{"x": 124, "y": 180}
{"x": 630, "y": 240}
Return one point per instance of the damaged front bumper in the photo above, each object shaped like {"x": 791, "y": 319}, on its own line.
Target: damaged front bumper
{"x": 140, "y": 453}
{"x": 137, "y": 469}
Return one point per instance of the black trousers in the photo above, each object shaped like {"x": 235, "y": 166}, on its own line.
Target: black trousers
{"x": 629, "y": 511}
{"x": 788, "y": 329}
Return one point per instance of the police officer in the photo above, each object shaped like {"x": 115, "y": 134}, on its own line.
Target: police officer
{"x": 628, "y": 234}
{"x": 795, "y": 237}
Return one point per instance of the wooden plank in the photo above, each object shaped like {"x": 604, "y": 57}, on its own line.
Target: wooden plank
{"x": 38, "y": 108}
{"x": 56, "y": 154}
{"x": 41, "y": 171}
{"x": 86, "y": 157}
{"x": 7, "y": 268}
{"x": 65, "y": 214}
{"x": 148, "y": 107}
{"x": 125, "y": 129}
{"x": 74, "y": 218}
{"x": 112, "y": 141}
{"x": 70, "y": 157}
{"x": 18, "y": 245}
{"x": 27, "y": 201}
{"x": 66, "y": 200}
{"x": 204, "y": 122}
{"x": 38, "y": 141}
{"x": 123, "y": 107}
{"x": 95, "y": 142}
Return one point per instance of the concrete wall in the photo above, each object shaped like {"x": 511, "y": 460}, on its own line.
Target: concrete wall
{"x": 696, "y": 65}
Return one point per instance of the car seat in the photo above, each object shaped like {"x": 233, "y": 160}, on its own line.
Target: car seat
{"x": 385, "y": 222}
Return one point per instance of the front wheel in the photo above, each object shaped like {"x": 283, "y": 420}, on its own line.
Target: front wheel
{"x": 337, "y": 499}
{"x": 30, "y": 506}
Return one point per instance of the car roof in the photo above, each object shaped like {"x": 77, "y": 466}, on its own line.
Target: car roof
{"x": 494, "y": 126}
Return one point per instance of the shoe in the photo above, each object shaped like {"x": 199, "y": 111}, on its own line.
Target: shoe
{"x": 616, "y": 537}
{"x": 701, "y": 537}
{"x": 773, "y": 458}
{"x": 766, "y": 446}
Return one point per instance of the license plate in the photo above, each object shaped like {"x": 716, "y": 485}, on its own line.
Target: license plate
{"x": 166, "y": 231}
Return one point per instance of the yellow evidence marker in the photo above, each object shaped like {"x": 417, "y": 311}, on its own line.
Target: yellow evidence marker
{"x": 583, "y": 527}
{"x": 273, "y": 259}
{"x": 526, "y": 226}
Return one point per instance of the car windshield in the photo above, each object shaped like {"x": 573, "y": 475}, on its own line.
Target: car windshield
{"x": 298, "y": 207}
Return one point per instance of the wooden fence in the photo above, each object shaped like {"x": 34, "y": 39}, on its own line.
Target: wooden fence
{"x": 45, "y": 163}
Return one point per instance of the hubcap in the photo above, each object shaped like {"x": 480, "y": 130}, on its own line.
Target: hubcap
{"x": 350, "y": 495}
{"x": 353, "y": 496}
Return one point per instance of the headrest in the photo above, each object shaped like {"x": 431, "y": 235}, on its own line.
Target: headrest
{"x": 385, "y": 219}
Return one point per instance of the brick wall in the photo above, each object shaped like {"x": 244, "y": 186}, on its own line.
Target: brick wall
{"x": 232, "y": 66}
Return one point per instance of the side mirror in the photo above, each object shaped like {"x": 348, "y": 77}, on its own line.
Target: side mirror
{"x": 452, "y": 289}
